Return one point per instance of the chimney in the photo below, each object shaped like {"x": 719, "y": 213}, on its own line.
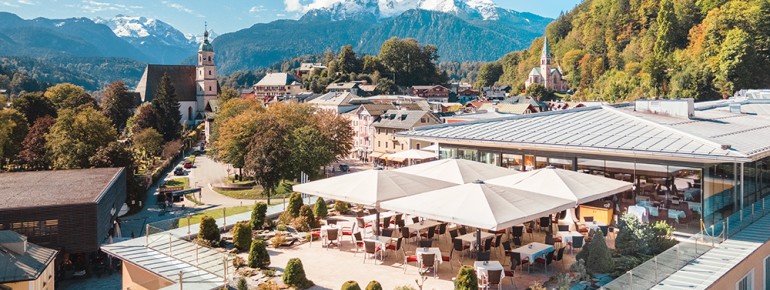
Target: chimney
{"x": 679, "y": 108}
{"x": 18, "y": 247}
{"x": 735, "y": 108}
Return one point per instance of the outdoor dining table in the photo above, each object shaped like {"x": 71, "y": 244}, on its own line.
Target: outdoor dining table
{"x": 422, "y": 225}
{"x": 482, "y": 267}
{"x": 434, "y": 250}
{"x": 470, "y": 238}
{"x": 381, "y": 240}
{"x": 383, "y": 215}
{"x": 568, "y": 237}
{"x": 672, "y": 213}
{"x": 594, "y": 225}
{"x": 533, "y": 250}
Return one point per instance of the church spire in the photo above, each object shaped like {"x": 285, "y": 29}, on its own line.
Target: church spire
{"x": 205, "y": 45}
{"x": 546, "y": 51}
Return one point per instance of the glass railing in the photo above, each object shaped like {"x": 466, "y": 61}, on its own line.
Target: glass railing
{"x": 655, "y": 270}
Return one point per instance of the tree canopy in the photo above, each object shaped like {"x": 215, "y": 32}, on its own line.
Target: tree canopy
{"x": 166, "y": 108}
{"x": 13, "y": 128}
{"x": 76, "y": 136}
{"x": 34, "y": 106}
{"x": 117, "y": 104}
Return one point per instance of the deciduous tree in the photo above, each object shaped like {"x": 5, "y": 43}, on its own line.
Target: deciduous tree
{"x": 76, "y": 136}
{"x": 13, "y": 129}
{"x": 148, "y": 141}
{"x": 117, "y": 104}
{"x": 145, "y": 117}
{"x": 34, "y": 153}
{"x": 34, "y": 106}
{"x": 58, "y": 94}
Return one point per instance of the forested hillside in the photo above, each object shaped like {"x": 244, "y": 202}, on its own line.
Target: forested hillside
{"x": 617, "y": 50}
{"x": 92, "y": 73}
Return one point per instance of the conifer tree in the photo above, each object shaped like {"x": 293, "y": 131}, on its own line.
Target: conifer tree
{"x": 167, "y": 109}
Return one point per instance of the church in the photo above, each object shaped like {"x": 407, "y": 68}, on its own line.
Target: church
{"x": 550, "y": 78}
{"x": 195, "y": 85}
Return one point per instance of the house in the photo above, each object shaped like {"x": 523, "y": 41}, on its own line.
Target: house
{"x": 24, "y": 265}
{"x": 551, "y": 78}
{"x": 394, "y": 121}
{"x": 350, "y": 87}
{"x": 467, "y": 95}
{"x": 440, "y": 108}
{"x": 212, "y": 108}
{"x": 367, "y": 90}
{"x": 275, "y": 85}
{"x": 434, "y": 93}
{"x": 362, "y": 120}
{"x": 337, "y": 102}
{"x": 538, "y": 106}
{"x": 496, "y": 93}
{"x": 309, "y": 69}
{"x": 194, "y": 85}
{"x": 394, "y": 99}
{"x": 68, "y": 210}
{"x": 516, "y": 109}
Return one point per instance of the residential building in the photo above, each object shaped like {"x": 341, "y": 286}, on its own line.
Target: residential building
{"x": 467, "y": 95}
{"x": 194, "y": 85}
{"x": 516, "y": 109}
{"x": 362, "y": 120}
{"x": 309, "y": 69}
{"x": 496, "y": 93}
{"x": 434, "y": 93}
{"x": 337, "y": 102}
{"x": 212, "y": 108}
{"x": 367, "y": 90}
{"x": 24, "y": 265}
{"x": 275, "y": 85}
{"x": 68, "y": 210}
{"x": 443, "y": 108}
{"x": 394, "y": 121}
{"x": 349, "y": 87}
{"x": 550, "y": 77}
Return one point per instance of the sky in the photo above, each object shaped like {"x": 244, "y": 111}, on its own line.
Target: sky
{"x": 222, "y": 16}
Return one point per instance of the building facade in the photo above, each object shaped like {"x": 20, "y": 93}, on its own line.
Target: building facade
{"x": 25, "y": 266}
{"x": 433, "y": 94}
{"x": 362, "y": 120}
{"x": 386, "y": 140}
{"x": 550, "y": 77}
{"x": 277, "y": 85}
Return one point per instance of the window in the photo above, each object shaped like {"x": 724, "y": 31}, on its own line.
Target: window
{"x": 209, "y": 88}
{"x": 189, "y": 113}
{"x": 209, "y": 72}
{"x": 767, "y": 273}
{"x": 209, "y": 58}
{"x": 747, "y": 282}
{"x": 418, "y": 146}
{"x": 386, "y": 144}
{"x": 378, "y": 143}
{"x": 402, "y": 146}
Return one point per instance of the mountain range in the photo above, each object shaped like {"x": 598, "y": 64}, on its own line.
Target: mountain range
{"x": 463, "y": 30}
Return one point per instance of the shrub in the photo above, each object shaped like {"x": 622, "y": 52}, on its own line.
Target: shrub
{"x": 600, "y": 258}
{"x": 306, "y": 213}
{"x": 632, "y": 238}
{"x": 284, "y": 218}
{"x": 280, "y": 228}
{"x": 341, "y": 207}
{"x": 258, "y": 215}
{"x": 242, "y": 235}
{"x": 661, "y": 237}
{"x": 238, "y": 262}
{"x": 258, "y": 256}
{"x": 242, "y": 284}
{"x": 209, "y": 231}
{"x": 373, "y": 285}
{"x": 300, "y": 224}
{"x": 294, "y": 275}
{"x": 278, "y": 240}
{"x": 466, "y": 279}
{"x": 537, "y": 286}
{"x": 404, "y": 287}
{"x": 350, "y": 285}
{"x": 269, "y": 285}
{"x": 320, "y": 210}
{"x": 625, "y": 263}
{"x": 295, "y": 203}
{"x": 579, "y": 268}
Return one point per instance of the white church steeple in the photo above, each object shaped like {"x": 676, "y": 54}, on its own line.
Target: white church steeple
{"x": 206, "y": 72}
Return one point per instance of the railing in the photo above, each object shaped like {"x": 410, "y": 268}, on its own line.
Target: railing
{"x": 655, "y": 270}
{"x": 179, "y": 245}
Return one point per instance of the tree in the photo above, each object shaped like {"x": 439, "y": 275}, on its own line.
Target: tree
{"x": 145, "y": 117}
{"x": 295, "y": 204}
{"x": 736, "y": 63}
{"x": 117, "y": 104}
{"x": 209, "y": 231}
{"x": 34, "y": 106}
{"x": 294, "y": 275}
{"x": 13, "y": 129}
{"x": 33, "y": 147}
{"x": 230, "y": 138}
{"x": 59, "y": 94}
{"x": 373, "y": 285}
{"x": 266, "y": 156}
{"x": 306, "y": 213}
{"x": 148, "y": 141}
{"x": 227, "y": 94}
{"x": 258, "y": 215}
{"x": 258, "y": 255}
{"x": 599, "y": 259}
{"x": 347, "y": 60}
{"x": 320, "y": 210}
{"x": 418, "y": 67}
{"x": 632, "y": 236}
{"x": 167, "y": 109}
{"x": 489, "y": 74}
{"x": 242, "y": 235}
{"x": 115, "y": 154}
{"x": 667, "y": 33}
{"x": 466, "y": 279}
{"x": 242, "y": 284}
{"x": 77, "y": 136}
{"x": 350, "y": 285}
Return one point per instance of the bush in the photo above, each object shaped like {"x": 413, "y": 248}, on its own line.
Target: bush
{"x": 373, "y": 285}
{"x": 600, "y": 258}
{"x": 661, "y": 237}
{"x": 278, "y": 240}
{"x": 294, "y": 275}
{"x": 269, "y": 285}
{"x": 285, "y": 218}
{"x": 300, "y": 224}
{"x": 350, "y": 285}
{"x": 632, "y": 237}
{"x": 404, "y": 287}
{"x": 625, "y": 263}
{"x": 306, "y": 213}
{"x": 209, "y": 231}
{"x": 466, "y": 279}
{"x": 320, "y": 210}
{"x": 242, "y": 235}
{"x": 242, "y": 284}
{"x": 258, "y": 256}
{"x": 579, "y": 268}
{"x": 258, "y": 215}
{"x": 238, "y": 262}
{"x": 341, "y": 207}
{"x": 295, "y": 203}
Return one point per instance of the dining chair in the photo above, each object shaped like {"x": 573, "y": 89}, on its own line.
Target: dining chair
{"x": 429, "y": 235}
{"x": 547, "y": 260}
{"x": 371, "y": 248}
{"x": 331, "y": 237}
{"x": 563, "y": 228}
{"x": 395, "y": 247}
{"x": 517, "y": 261}
{"x": 358, "y": 241}
{"x": 493, "y": 278}
{"x": 425, "y": 243}
{"x": 577, "y": 243}
{"x": 428, "y": 263}
{"x": 483, "y": 256}
{"x": 588, "y": 219}
{"x": 415, "y": 219}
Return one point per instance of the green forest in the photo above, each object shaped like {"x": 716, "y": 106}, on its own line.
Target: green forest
{"x": 622, "y": 50}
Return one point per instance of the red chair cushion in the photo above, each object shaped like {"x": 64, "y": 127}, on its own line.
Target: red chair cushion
{"x": 557, "y": 240}
{"x": 316, "y": 234}
{"x": 347, "y": 233}
{"x": 391, "y": 247}
{"x": 446, "y": 258}
{"x": 539, "y": 260}
{"x": 360, "y": 244}
{"x": 583, "y": 230}
{"x": 508, "y": 273}
{"x": 411, "y": 258}
{"x": 499, "y": 232}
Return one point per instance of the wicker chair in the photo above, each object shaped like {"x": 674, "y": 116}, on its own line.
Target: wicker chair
{"x": 371, "y": 248}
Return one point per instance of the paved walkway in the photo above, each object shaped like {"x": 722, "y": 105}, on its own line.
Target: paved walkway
{"x": 205, "y": 173}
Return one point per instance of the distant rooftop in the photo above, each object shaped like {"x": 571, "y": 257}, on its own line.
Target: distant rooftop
{"x": 15, "y": 267}
{"x": 57, "y": 187}
{"x": 276, "y": 79}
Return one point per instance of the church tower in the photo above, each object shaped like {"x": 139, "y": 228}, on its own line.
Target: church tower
{"x": 206, "y": 73}
{"x": 545, "y": 64}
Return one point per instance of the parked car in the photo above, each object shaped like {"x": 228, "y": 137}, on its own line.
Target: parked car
{"x": 179, "y": 171}
{"x": 344, "y": 168}
{"x": 187, "y": 164}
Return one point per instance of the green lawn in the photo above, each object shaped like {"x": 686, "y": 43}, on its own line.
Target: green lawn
{"x": 182, "y": 181}
{"x": 256, "y": 192}
{"x": 215, "y": 213}
{"x": 232, "y": 180}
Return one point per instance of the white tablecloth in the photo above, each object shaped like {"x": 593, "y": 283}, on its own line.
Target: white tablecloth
{"x": 417, "y": 227}
{"x": 383, "y": 215}
{"x": 640, "y": 212}
{"x": 594, "y": 225}
{"x": 435, "y": 251}
{"x": 672, "y": 213}
{"x": 536, "y": 250}
{"x": 381, "y": 240}
{"x": 470, "y": 238}
{"x": 482, "y": 268}
{"x": 567, "y": 237}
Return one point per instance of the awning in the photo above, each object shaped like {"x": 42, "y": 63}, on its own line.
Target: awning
{"x": 396, "y": 159}
{"x": 413, "y": 154}
{"x": 376, "y": 154}
{"x": 458, "y": 171}
{"x": 431, "y": 148}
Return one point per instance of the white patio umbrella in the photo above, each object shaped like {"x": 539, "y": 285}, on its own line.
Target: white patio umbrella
{"x": 458, "y": 171}
{"x": 566, "y": 184}
{"x": 412, "y": 154}
{"x": 480, "y": 205}
{"x": 370, "y": 187}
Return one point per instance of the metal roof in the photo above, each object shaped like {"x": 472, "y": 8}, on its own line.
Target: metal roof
{"x": 617, "y": 130}
{"x": 55, "y": 187}
{"x": 15, "y": 267}
{"x": 702, "y": 272}
{"x": 405, "y": 119}
{"x": 276, "y": 79}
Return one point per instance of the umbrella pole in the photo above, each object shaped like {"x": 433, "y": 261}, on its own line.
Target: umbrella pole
{"x": 478, "y": 240}
{"x": 377, "y": 223}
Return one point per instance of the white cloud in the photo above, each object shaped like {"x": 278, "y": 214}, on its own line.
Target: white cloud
{"x": 280, "y": 15}
{"x": 292, "y": 5}
{"x": 257, "y": 9}
{"x": 8, "y": 4}
{"x": 26, "y": 2}
{"x": 96, "y": 6}
{"x": 182, "y": 8}
{"x": 297, "y": 6}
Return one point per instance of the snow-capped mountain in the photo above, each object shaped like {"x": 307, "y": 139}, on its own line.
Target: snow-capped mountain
{"x": 157, "y": 39}
{"x": 367, "y": 9}
{"x": 198, "y": 38}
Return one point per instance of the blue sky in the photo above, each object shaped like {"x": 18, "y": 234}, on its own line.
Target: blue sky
{"x": 222, "y": 16}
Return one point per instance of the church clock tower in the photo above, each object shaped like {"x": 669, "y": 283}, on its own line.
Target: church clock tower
{"x": 206, "y": 73}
